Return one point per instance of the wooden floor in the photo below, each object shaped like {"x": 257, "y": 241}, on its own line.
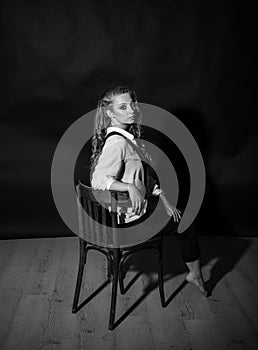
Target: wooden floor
{"x": 37, "y": 281}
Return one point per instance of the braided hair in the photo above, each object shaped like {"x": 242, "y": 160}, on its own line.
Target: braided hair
{"x": 102, "y": 121}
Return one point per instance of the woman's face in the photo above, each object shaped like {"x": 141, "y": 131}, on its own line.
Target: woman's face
{"x": 122, "y": 111}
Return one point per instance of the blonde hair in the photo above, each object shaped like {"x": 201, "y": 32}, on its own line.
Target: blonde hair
{"x": 102, "y": 120}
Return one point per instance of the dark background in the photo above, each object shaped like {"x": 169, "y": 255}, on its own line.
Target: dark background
{"x": 196, "y": 59}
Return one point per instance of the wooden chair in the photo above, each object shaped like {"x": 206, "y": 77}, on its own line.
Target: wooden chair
{"x": 101, "y": 234}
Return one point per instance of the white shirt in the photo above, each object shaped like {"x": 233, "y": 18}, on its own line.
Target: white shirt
{"x": 119, "y": 160}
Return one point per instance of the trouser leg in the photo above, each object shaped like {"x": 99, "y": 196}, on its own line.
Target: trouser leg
{"x": 189, "y": 244}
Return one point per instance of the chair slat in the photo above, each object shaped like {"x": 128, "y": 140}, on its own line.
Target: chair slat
{"x": 80, "y": 217}
{"x": 114, "y": 198}
{"x": 86, "y": 221}
{"x": 90, "y": 220}
{"x": 104, "y": 222}
{"x": 96, "y": 225}
{"x": 99, "y": 225}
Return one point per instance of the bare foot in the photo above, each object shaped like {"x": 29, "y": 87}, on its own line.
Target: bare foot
{"x": 197, "y": 280}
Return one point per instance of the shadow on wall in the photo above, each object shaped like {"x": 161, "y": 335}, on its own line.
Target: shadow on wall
{"x": 210, "y": 209}
{"x": 210, "y": 219}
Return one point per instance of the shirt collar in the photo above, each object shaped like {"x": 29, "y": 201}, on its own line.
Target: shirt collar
{"x": 121, "y": 131}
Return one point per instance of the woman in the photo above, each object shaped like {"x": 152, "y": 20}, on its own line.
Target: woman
{"x": 117, "y": 165}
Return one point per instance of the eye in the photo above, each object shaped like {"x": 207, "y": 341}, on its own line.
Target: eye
{"x": 123, "y": 107}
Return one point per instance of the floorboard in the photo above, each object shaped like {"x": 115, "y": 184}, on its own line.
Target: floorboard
{"x": 37, "y": 281}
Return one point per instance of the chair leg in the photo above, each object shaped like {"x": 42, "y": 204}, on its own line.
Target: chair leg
{"x": 121, "y": 281}
{"x": 121, "y": 274}
{"x": 116, "y": 257}
{"x": 82, "y": 261}
{"x": 160, "y": 273}
{"x": 109, "y": 271}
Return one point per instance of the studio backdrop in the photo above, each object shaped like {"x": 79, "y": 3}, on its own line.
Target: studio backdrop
{"x": 195, "y": 59}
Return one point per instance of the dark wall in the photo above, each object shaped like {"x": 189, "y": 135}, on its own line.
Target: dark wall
{"x": 195, "y": 59}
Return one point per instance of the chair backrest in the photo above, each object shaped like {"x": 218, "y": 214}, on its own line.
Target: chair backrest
{"x": 97, "y": 214}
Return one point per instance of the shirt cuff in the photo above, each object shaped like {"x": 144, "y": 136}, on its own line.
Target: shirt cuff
{"x": 109, "y": 182}
{"x": 157, "y": 191}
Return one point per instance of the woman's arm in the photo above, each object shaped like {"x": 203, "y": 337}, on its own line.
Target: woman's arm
{"x": 157, "y": 191}
{"x": 106, "y": 174}
{"x": 134, "y": 194}
{"x": 170, "y": 209}
{"x": 108, "y": 167}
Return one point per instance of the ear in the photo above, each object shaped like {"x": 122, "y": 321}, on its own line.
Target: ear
{"x": 109, "y": 113}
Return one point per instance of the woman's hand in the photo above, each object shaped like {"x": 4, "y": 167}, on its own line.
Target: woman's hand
{"x": 136, "y": 198}
{"x": 170, "y": 209}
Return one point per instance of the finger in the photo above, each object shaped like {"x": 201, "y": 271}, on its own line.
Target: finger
{"x": 138, "y": 208}
{"x": 178, "y": 214}
{"x": 143, "y": 205}
{"x": 142, "y": 208}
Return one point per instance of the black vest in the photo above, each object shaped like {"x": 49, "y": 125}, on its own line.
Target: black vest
{"x": 150, "y": 176}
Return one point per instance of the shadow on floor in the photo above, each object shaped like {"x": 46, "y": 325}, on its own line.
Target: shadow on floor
{"x": 225, "y": 251}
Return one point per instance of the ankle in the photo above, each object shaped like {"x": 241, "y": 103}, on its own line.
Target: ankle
{"x": 195, "y": 274}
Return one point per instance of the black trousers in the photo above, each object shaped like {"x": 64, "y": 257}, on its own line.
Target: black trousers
{"x": 187, "y": 241}
{"x": 189, "y": 244}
